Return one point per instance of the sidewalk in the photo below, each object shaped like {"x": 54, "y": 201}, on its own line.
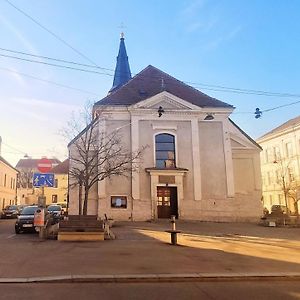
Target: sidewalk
{"x": 142, "y": 252}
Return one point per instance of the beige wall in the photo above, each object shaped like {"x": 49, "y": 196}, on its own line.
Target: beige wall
{"x": 212, "y": 188}
{"x": 8, "y": 181}
{"x": 61, "y": 191}
{"x": 275, "y": 165}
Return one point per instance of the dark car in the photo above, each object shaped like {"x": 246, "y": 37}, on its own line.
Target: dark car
{"x": 10, "y": 211}
{"x": 280, "y": 209}
{"x": 56, "y": 212}
{"x": 25, "y": 219}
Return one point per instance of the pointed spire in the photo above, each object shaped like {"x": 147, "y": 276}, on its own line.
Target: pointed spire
{"x": 122, "y": 71}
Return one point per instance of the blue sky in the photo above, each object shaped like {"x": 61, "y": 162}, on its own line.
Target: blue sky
{"x": 241, "y": 44}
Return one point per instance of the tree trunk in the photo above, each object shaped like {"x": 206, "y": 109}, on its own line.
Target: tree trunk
{"x": 80, "y": 199}
{"x": 85, "y": 203}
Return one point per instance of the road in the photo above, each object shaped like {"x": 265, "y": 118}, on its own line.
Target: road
{"x": 152, "y": 291}
{"x": 20, "y": 256}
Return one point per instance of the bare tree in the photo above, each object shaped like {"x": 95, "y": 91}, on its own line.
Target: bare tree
{"x": 96, "y": 155}
{"x": 24, "y": 179}
{"x": 289, "y": 185}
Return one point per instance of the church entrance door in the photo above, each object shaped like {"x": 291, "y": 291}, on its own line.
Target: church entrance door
{"x": 167, "y": 204}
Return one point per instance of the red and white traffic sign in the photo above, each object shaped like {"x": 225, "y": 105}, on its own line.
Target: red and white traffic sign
{"x": 44, "y": 165}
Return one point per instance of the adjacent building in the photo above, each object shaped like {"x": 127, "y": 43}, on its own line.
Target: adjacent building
{"x": 58, "y": 193}
{"x": 197, "y": 163}
{"x": 8, "y": 182}
{"x": 27, "y": 193}
{"x": 280, "y": 165}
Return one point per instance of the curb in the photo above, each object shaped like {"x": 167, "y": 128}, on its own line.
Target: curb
{"x": 124, "y": 278}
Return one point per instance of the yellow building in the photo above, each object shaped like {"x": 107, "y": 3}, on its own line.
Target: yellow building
{"x": 26, "y": 193}
{"x": 8, "y": 181}
{"x": 280, "y": 165}
{"x": 58, "y": 193}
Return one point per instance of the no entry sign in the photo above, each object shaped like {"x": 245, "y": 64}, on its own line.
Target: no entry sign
{"x": 44, "y": 165}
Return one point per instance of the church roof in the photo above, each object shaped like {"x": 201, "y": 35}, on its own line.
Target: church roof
{"x": 122, "y": 71}
{"x": 152, "y": 81}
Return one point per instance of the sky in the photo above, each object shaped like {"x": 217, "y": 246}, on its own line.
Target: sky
{"x": 248, "y": 45}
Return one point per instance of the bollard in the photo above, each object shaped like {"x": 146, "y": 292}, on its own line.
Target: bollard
{"x": 173, "y": 222}
{"x": 173, "y": 231}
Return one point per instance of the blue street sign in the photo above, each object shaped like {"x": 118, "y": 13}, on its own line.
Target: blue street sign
{"x": 43, "y": 179}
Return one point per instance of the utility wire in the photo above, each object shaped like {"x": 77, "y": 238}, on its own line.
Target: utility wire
{"x": 280, "y": 106}
{"x": 51, "y": 32}
{"x": 101, "y": 73}
{"x": 222, "y": 89}
{"x": 48, "y": 81}
{"x": 55, "y": 59}
{"x": 54, "y": 65}
{"x": 212, "y": 87}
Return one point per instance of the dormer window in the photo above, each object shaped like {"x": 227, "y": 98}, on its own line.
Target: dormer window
{"x": 165, "y": 151}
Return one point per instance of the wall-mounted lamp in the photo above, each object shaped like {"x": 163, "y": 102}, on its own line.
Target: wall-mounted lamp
{"x": 160, "y": 111}
{"x": 209, "y": 117}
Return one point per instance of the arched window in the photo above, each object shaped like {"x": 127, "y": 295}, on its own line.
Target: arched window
{"x": 165, "y": 151}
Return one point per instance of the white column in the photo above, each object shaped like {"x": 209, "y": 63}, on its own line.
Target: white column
{"x": 228, "y": 159}
{"x": 135, "y": 182}
{"x": 196, "y": 159}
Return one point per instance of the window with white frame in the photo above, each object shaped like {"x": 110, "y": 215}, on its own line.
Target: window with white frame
{"x": 165, "y": 151}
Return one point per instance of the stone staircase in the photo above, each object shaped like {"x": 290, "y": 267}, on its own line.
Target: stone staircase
{"x": 81, "y": 228}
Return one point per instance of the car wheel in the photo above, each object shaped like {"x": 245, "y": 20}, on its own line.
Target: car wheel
{"x": 17, "y": 230}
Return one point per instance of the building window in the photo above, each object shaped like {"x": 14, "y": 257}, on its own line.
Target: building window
{"x": 118, "y": 201}
{"x": 280, "y": 202}
{"x": 269, "y": 175}
{"x": 56, "y": 183}
{"x": 278, "y": 177}
{"x": 5, "y": 180}
{"x": 54, "y": 198}
{"x": 289, "y": 150}
{"x": 276, "y": 152}
{"x": 291, "y": 174}
{"x": 267, "y": 156}
{"x": 165, "y": 151}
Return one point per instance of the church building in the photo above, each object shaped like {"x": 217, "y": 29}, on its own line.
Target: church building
{"x": 197, "y": 163}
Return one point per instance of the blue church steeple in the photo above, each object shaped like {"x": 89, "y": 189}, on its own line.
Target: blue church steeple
{"x": 122, "y": 71}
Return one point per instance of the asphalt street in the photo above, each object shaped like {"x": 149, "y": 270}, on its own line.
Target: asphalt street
{"x": 189, "y": 290}
{"x": 142, "y": 248}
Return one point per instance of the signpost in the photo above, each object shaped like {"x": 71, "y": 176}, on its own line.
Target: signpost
{"x": 42, "y": 180}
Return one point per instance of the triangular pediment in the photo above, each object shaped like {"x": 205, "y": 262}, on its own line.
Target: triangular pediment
{"x": 167, "y": 101}
{"x": 235, "y": 144}
{"x": 238, "y": 142}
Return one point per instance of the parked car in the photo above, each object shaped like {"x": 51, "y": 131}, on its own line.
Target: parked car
{"x": 25, "y": 219}
{"x": 64, "y": 206}
{"x": 10, "y": 211}
{"x": 21, "y": 207}
{"x": 56, "y": 212}
{"x": 281, "y": 209}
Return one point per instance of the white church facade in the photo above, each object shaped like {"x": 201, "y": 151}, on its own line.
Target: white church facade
{"x": 197, "y": 163}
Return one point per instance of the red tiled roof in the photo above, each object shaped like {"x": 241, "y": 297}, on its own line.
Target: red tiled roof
{"x": 152, "y": 81}
{"x": 31, "y": 163}
{"x": 62, "y": 168}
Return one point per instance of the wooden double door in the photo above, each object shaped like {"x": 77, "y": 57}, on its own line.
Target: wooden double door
{"x": 167, "y": 204}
